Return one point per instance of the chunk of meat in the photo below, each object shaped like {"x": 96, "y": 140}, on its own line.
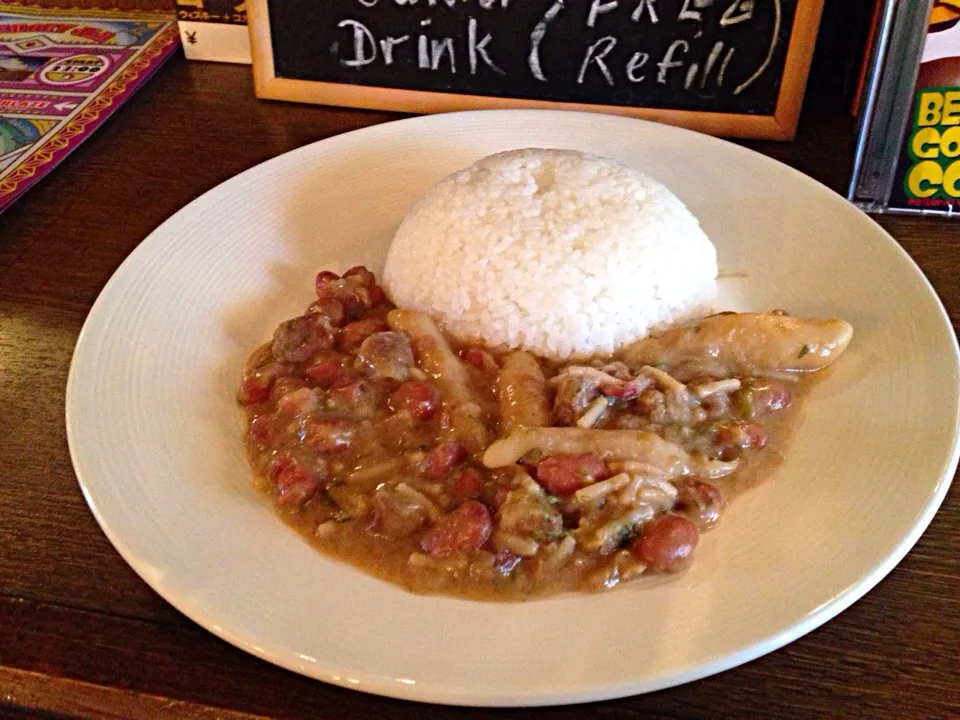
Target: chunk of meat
{"x": 398, "y": 431}
{"x": 329, "y": 308}
{"x": 435, "y": 357}
{"x": 356, "y": 292}
{"x": 745, "y": 344}
{"x": 395, "y": 513}
{"x": 701, "y": 501}
{"x": 386, "y": 355}
{"x": 361, "y": 272}
{"x": 631, "y": 445}
{"x": 525, "y": 520}
{"x": 285, "y": 385}
{"x": 352, "y": 397}
{"x": 466, "y": 528}
{"x": 442, "y": 459}
{"x": 351, "y": 336}
{"x": 565, "y": 474}
{"x": 327, "y": 435}
{"x": 574, "y": 392}
{"x": 295, "y": 482}
{"x": 298, "y": 402}
{"x": 577, "y": 386}
{"x": 299, "y": 339}
{"x": 522, "y": 393}
{"x": 420, "y": 399}
{"x": 666, "y": 543}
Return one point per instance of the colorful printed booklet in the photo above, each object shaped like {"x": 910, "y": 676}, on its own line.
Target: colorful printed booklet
{"x": 62, "y": 74}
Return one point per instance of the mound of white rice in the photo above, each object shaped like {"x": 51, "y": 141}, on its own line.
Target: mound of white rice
{"x": 553, "y": 251}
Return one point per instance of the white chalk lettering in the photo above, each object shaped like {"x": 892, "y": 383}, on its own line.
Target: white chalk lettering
{"x": 536, "y": 37}
{"x": 651, "y": 7}
{"x": 479, "y": 49}
{"x": 634, "y": 64}
{"x": 668, "y": 63}
{"x": 388, "y": 44}
{"x": 740, "y": 11}
{"x": 723, "y": 67}
{"x": 362, "y": 41}
{"x": 368, "y": 3}
{"x": 599, "y": 7}
{"x": 423, "y": 58}
{"x": 595, "y": 54}
{"x": 687, "y": 14}
{"x": 711, "y": 61}
{"x": 437, "y": 50}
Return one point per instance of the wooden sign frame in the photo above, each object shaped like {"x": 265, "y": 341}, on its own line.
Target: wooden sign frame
{"x": 781, "y": 125}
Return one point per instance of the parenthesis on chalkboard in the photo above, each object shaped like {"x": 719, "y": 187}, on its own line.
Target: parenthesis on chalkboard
{"x": 769, "y": 58}
{"x": 536, "y": 37}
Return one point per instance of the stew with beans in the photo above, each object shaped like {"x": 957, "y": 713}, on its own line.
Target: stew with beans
{"x": 449, "y": 468}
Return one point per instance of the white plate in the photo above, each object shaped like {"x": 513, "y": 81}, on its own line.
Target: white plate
{"x": 155, "y": 435}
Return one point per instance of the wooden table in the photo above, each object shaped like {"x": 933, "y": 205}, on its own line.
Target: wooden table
{"x": 81, "y": 634}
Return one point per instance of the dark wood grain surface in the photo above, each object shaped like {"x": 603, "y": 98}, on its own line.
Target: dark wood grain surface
{"x": 82, "y": 635}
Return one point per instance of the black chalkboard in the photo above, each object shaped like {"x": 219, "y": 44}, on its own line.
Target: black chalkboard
{"x": 713, "y": 56}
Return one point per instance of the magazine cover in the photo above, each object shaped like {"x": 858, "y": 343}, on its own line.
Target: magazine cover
{"x": 928, "y": 174}
{"x": 62, "y": 75}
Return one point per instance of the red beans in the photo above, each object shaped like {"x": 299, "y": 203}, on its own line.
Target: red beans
{"x": 666, "y": 543}
{"x": 770, "y": 396}
{"x": 500, "y": 497}
{"x": 256, "y": 386}
{"x": 323, "y": 278}
{"x": 466, "y": 528}
{"x": 299, "y": 339}
{"x": 732, "y": 438}
{"x": 701, "y": 501}
{"x": 351, "y": 337}
{"x": 481, "y": 360}
{"x": 421, "y": 399}
{"x": 565, "y": 474}
{"x": 468, "y": 485}
{"x": 296, "y": 483}
{"x": 442, "y": 459}
{"x": 327, "y": 435}
{"x": 761, "y": 396}
{"x": 261, "y": 431}
{"x": 325, "y": 374}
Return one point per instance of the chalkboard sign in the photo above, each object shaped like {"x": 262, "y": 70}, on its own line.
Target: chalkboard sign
{"x": 730, "y": 67}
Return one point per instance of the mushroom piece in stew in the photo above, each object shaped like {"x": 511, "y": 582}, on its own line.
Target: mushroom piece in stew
{"x": 454, "y": 469}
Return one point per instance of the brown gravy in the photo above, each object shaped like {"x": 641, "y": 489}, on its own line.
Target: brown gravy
{"x": 359, "y": 441}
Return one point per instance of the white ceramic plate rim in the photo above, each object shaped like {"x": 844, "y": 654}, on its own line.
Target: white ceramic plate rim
{"x": 425, "y": 691}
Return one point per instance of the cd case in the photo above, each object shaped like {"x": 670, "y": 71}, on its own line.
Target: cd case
{"x": 908, "y": 148}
